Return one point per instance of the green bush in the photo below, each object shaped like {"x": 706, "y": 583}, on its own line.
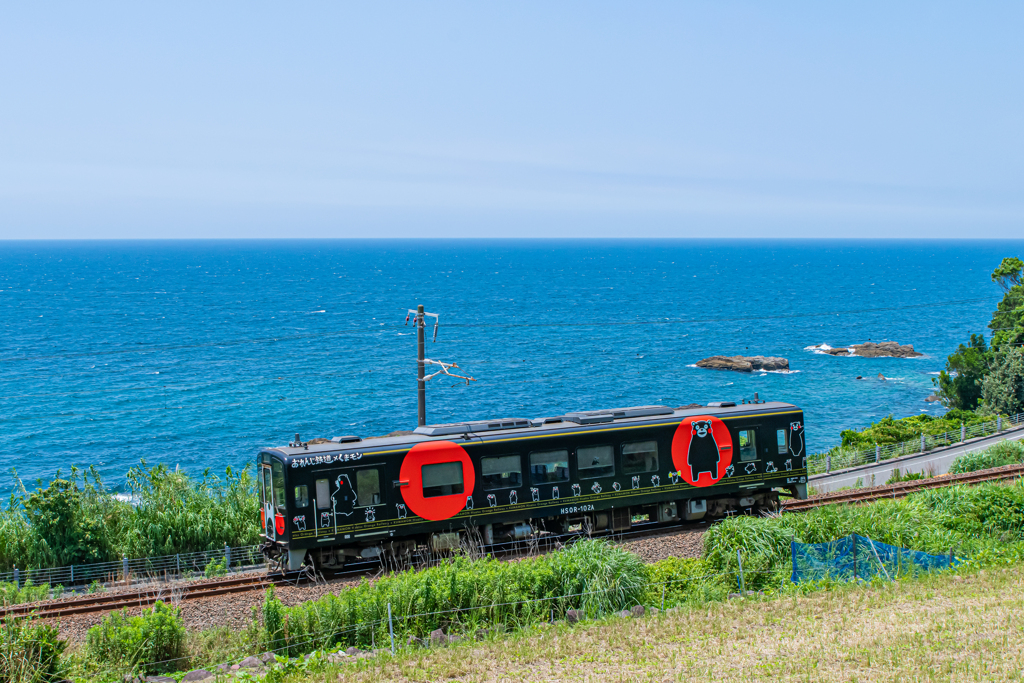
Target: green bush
{"x": 686, "y": 581}
{"x": 891, "y": 430}
{"x": 30, "y": 653}
{"x": 153, "y": 642}
{"x": 1003, "y": 387}
{"x": 1003, "y": 453}
{"x": 76, "y": 520}
{"x": 897, "y": 476}
{"x": 10, "y": 594}
{"x": 215, "y": 568}
{"x": 596, "y": 577}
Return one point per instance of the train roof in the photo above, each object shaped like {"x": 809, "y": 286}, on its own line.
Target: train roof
{"x": 485, "y": 430}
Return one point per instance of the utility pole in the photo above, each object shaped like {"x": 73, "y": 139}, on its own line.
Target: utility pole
{"x": 421, "y": 384}
{"x": 419, "y": 317}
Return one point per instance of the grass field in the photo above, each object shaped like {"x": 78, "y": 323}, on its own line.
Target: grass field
{"x": 944, "y": 627}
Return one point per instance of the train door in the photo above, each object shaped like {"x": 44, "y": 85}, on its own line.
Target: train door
{"x": 266, "y": 497}
{"x": 272, "y": 497}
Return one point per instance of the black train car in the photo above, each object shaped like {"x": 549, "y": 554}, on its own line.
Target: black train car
{"x": 509, "y": 479}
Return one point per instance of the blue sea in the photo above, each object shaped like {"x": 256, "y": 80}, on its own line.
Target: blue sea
{"x": 197, "y": 353}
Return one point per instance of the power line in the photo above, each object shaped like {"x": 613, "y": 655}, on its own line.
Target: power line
{"x": 601, "y": 323}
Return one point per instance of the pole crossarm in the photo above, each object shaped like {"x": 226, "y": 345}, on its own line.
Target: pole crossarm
{"x": 444, "y": 370}
{"x": 419, "y": 319}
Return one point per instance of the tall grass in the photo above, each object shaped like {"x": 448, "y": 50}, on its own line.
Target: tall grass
{"x": 77, "y": 520}
{"x": 986, "y": 519}
{"x": 591, "y": 576}
{"x": 1003, "y": 453}
{"x": 30, "y": 652}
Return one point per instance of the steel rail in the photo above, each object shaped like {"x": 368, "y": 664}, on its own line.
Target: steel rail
{"x": 204, "y": 589}
{"x": 905, "y": 488}
{"x": 103, "y": 603}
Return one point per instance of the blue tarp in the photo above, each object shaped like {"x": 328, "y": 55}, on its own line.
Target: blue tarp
{"x": 857, "y": 557}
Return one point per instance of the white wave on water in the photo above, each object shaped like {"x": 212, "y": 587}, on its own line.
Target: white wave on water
{"x": 823, "y": 349}
{"x": 934, "y": 373}
{"x": 691, "y": 365}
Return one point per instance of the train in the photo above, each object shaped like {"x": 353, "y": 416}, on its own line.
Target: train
{"x": 328, "y": 502}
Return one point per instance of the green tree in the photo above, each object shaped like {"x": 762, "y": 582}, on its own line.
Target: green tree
{"x": 1003, "y": 387}
{"x": 1008, "y": 320}
{"x": 60, "y": 516}
{"x": 960, "y": 383}
{"x": 1008, "y": 274}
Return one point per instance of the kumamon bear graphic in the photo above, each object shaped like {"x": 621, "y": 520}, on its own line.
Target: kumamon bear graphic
{"x": 703, "y": 455}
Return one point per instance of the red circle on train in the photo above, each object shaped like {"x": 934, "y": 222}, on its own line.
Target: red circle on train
{"x": 435, "y": 508}
{"x": 702, "y": 450}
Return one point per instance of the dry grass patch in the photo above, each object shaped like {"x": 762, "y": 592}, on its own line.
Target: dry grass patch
{"x": 935, "y": 628}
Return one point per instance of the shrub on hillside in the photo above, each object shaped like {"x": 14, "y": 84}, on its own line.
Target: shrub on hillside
{"x": 890, "y": 430}
{"x": 686, "y": 581}
{"x": 1003, "y": 387}
{"x": 153, "y": 642}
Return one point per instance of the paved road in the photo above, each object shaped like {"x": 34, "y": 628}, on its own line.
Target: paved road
{"x": 936, "y": 461}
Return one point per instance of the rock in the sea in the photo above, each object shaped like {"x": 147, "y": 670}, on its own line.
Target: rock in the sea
{"x": 744, "y": 363}
{"x": 932, "y": 398}
{"x": 889, "y": 349}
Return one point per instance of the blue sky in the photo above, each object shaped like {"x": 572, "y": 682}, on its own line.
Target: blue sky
{"x": 253, "y": 119}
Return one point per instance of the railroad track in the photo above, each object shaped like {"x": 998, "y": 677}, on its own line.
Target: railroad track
{"x": 255, "y": 581}
{"x": 905, "y": 488}
{"x": 143, "y": 598}
{"x": 146, "y": 596}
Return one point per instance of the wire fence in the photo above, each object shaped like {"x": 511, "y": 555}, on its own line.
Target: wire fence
{"x": 810, "y": 562}
{"x": 842, "y": 458}
{"x": 141, "y": 570}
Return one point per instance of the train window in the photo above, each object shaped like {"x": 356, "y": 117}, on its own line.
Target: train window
{"x": 367, "y": 488}
{"x": 323, "y": 494}
{"x": 782, "y": 441}
{"x": 549, "y": 466}
{"x": 502, "y": 472}
{"x": 639, "y": 457}
{"x": 279, "y": 501}
{"x": 268, "y": 485}
{"x": 301, "y": 496}
{"x": 442, "y": 479}
{"x": 748, "y": 447}
{"x": 595, "y": 461}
